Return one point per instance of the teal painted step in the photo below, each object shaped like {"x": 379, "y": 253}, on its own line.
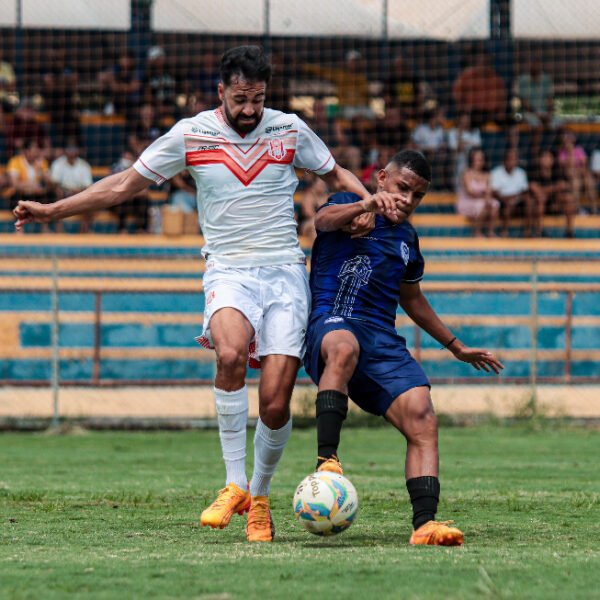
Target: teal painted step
{"x": 149, "y": 370}
{"x": 163, "y": 302}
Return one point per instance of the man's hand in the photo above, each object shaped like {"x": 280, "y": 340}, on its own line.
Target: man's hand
{"x": 385, "y": 204}
{"x": 28, "y": 211}
{"x": 360, "y": 225}
{"x": 481, "y": 359}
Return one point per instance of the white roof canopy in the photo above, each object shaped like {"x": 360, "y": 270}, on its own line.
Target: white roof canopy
{"x": 430, "y": 19}
{"x": 556, "y": 19}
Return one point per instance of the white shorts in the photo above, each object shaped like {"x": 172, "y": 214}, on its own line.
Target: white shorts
{"x": 275, "y": 300}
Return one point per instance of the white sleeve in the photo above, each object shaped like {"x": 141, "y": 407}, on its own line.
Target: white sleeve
{"x": 311, "y": 152}
{"x": 524, "y": 182}
{"x": 495, "y": 180}
{"x": 164, "y": 158}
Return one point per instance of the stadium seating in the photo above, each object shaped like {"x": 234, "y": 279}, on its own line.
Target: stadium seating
{"x": 151, "y": 309}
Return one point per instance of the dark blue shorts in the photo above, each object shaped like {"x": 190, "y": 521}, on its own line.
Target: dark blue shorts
{"x": 385, "y": 367}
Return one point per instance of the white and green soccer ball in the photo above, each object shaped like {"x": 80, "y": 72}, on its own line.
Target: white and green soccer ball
{"x": 325, "y": 503}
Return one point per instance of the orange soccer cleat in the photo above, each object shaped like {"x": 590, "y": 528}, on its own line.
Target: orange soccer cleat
{"x": 436, "y": 533}
{"x": 231, "y": 499}
{"x": 331, "y": 465}
{"x": 260, "y": 527}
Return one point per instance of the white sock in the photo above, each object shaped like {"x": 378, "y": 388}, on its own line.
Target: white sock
{"x": 232, "y": 413}
{"x": 268, "y": 448}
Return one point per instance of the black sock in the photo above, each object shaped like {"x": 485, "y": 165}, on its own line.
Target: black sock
{"x": 332, "y": 408}
{"x": 424, "y": 495}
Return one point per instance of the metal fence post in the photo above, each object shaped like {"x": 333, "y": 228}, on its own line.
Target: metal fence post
{"x": 533, "y": 369}
{"x": 55, "y": 376}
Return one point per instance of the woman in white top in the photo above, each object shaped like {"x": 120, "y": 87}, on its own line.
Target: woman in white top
{"x": 475, "y": 199}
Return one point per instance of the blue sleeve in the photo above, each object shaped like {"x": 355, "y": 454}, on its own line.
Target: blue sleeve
{"x": 341, "y": 198}
{"x": 416, "y": 264}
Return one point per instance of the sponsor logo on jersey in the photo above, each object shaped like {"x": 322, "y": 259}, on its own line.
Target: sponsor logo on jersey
{"x": 207, "y": 148}
{"x": 205, "y": 131}
{"x": 276, "y": 149}
{"x": 278, "y": 128}
{"x": 405, "y": 252}
{"x": 333, "y": 320}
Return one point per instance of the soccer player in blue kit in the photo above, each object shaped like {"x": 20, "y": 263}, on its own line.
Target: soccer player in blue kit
{"x": 353, "y": 349}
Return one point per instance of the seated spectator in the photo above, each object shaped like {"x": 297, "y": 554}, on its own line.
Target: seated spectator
{"x": 352, "y": 85}
{"x": 122, "y": 84}
{"x": 402, "y": 89}
{"x": 573, "y": 160}
{"x": 25, "y": 126}
{"x": 205, "y": 78}
{"x": 28, "y": 175}
{"x": 314, "y": 196}
{"x": 550, "y": 190}
{"x": 510, "y": 186}
{"x": 8, "y": 86}
{"x": 183, "y": 192}
{"x": 461, "y": 138}
{"x": 71, "y": 174}
{"x": 475, "y": 200}
{"x": 391, "y": 130}
{"x": 137, "y": 207}
{"x": 59, "y": 85}
{"x": 430, "y": 139}
{"x": 159, "y": 86}
{"x": 146, "y": 128}
{"x": 481, "y": 92}
{"x": 536, "y": 92}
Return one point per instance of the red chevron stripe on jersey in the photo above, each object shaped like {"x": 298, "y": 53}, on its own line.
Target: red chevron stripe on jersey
{"x": 245, "y": 175}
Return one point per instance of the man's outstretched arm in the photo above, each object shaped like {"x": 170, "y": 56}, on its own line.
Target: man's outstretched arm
{"x": 416, "y": 306}
{"x": 110, "y": 191}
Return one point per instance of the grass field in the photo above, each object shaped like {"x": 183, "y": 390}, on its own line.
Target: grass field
{"x": 114, "y": 515}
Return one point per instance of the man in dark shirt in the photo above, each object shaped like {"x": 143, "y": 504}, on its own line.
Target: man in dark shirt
{"x": 353, "y": 349}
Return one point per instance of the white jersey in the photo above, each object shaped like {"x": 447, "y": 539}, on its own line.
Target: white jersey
{"x": 245, "y": 183}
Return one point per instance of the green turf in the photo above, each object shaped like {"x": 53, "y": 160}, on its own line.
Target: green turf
{"x": 113, "y": 515}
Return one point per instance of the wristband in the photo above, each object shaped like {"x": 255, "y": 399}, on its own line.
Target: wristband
{"x": 446, "y": 346}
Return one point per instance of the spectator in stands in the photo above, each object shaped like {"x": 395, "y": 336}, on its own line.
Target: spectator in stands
{"x": 313, "y": 197}
{"x": 183, "y": 192}
{"x": 145, "y": 130}
{"x": 404, "y": 90}
{"x": 122, "y": 85}
{"x": 475, "y": 200}
{"x": 209, "y": 77}
{"x": 480, "y": 91}
{"x": 573, "y": 160}
{"x": 391, "y": 130}
{"x": 136, "y": 207}
{"x": 511, "y": 187}
{"x": 28, "y": 176}
{"x": 536, "y": 92}
{"x": 8, "y": 86}
{"x": 551, "y": 191}
{"x": 429, "y": 138}
{"x": 352, "y": 85}
{"x": 71, "y": 174}
{"x": 461, "y": 139}
{"x": 159, "y": 86}
{"x": 59, "y": 85}
{"x": 25, "y": 125}
{"x": 279, "y": 90}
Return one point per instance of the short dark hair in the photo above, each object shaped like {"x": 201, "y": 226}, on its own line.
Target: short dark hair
{"x": 247, "y": 62}
{"x": 414, "y": 161}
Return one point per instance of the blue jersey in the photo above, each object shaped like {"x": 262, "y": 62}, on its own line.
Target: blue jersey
{"x": 360, "y": 278}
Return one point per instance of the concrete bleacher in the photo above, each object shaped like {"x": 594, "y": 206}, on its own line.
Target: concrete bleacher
{"x": 149, "y": 290}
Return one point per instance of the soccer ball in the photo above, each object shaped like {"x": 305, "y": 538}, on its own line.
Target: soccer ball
{"x": 325, "y": 503}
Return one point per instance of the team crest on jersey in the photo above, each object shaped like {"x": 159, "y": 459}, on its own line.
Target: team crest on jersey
{"x": 276, "y": 149}
{"x": 405, "y": 252}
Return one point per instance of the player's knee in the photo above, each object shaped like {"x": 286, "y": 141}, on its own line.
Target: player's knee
{"x": 342, "y": 357}
{"x": 421, "y": 424}
{"x": 274, "y": 411}
{"x": 231, "y": 359}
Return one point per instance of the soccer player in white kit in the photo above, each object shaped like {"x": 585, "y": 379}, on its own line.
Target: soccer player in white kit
{"x": 242, "y": 157}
